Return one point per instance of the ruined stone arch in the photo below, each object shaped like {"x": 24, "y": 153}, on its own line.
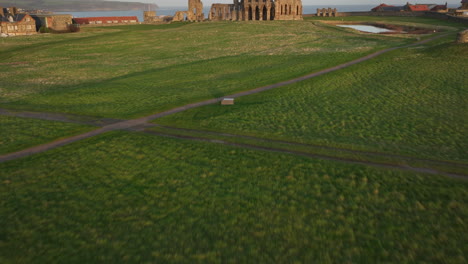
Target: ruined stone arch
{"x": 265, "y": 13}
{"x": 257, "y": 13}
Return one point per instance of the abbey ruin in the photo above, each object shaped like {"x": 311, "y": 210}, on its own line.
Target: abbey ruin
{"x": 194, "y": 12}
{"x": 244, "y": 10}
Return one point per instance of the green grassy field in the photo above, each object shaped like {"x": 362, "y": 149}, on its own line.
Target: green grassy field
{"x": 125, "y": 72}
{"x": 126, "y": 197}
{"x": 411, "y": 101}
{"x": 19, "y": 133}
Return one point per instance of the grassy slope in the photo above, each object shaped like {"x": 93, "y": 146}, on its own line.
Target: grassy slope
{"x": 170, "y": 200}
{"x": 137, "y": 70}
{"x": 19, "y": 133}
{"x": 411, "y": 101}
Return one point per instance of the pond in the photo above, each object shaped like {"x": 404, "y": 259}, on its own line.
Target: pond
{"x": 368, "y": 29}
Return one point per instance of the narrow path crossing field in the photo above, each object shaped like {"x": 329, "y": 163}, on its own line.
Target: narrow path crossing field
{"x": 129, "y": 124}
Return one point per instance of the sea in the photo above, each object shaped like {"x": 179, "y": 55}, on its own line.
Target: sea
{"x": 170, "y": 11}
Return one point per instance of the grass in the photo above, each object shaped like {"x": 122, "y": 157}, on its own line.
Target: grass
{"x": 132, "y": 71}
{"x": 411, "y": 102}
{"x": 19, "y": 133}
{"x": 139, "y": 198}
{"x": 393, "y": 19}
{"x": 168, "y": 200}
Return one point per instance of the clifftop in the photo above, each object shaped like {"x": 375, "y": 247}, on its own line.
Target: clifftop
{"x": 76, "y": 5}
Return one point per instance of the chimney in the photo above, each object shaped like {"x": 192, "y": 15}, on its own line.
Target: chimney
{"x": 2, "y": 13}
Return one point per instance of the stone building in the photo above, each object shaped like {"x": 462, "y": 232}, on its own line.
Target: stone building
{"x": 244, "y": 10}
{"x": 194, "y": 12}
{"x": 57, "y": 23}
{"x": 150, "y": 17}
{"x": 464, "y": 4}
{"x": 462, "y": 10}
{"x": 14, "y": 24}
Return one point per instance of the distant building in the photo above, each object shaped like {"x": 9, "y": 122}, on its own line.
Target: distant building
{"x": 57, "y": 23}
{"x": 416, "y": 8}
{"x": 14, "y": 24}
{"x": 388, "y": 8}
{"x": 106, "y": 20}
{"x": 440, "y": 8}
{"x": 463, "y": 9}
{"x": 464, "y": 4}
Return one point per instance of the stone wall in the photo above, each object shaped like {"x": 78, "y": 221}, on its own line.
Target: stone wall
{"x": 194, "y": 12}
{"x": 59, "y": 23}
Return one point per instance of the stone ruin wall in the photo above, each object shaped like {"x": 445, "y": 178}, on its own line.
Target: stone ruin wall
{"x": 150, "y": 17}
{"x": 327, "y": 12}
{"x": 194, "y": 12}
{"x": 60, "y": 22}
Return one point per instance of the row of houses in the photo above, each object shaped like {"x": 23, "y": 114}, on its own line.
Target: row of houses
{"x": 411, "y": 8}
{"x": 461, "y": 11}
{"x": 14, "y": 23}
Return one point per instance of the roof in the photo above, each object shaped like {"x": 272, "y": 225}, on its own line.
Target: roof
{"x": 377, "y": 8}
{"x": 392, "y": 8}
{"x": 418, "y": 8}
{"x": 85, "y": 20}
{"x": 16, "y": 18}
{"x": 49, "y": 15}
{"x": 439, "y": 7}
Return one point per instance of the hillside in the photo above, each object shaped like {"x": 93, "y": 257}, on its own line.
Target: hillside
{"x": 76, "y": 5}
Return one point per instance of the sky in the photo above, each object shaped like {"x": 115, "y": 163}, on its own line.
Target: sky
{"x": 304, "y": 2}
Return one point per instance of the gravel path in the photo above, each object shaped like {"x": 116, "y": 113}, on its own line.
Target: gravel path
{"x": 317, "y": 156}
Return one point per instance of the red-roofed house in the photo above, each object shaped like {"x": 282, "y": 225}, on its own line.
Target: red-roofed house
{"x": 379, "y": 7}
{"x": 440, "y": 8}
{"x": 106, "y": 20}
{"x": 417, "y": 8}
